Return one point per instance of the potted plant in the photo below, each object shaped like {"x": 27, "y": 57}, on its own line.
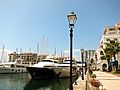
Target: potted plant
{"x": 95, "y": 82}
{"x": 93, "y": 76}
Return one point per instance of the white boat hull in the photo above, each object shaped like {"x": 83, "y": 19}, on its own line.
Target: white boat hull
{"x": 6, "y": 70}
{"x": 64, "y": 71}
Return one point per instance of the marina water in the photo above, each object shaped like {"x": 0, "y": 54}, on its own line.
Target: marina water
{"x": 24, "y": 82}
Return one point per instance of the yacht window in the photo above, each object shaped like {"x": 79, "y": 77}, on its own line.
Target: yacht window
{"x": 46, "y": 61}
{"x": 12, "y": 66}
{"x": 68, "y": 61}
{"x": 55, "y": 62}
{"x": 47, "y": 66}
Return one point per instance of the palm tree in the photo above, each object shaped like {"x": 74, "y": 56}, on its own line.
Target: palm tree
{"x": 107, "y": 55}
{"x": 112, "y": 49}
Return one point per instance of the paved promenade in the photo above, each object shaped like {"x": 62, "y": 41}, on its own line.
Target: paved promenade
{"x": 109, "y": 81}
{"x": 80, "y": 84}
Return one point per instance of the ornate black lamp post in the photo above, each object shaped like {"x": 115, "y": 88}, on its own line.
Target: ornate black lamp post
{"x": 82, "y": 56}
{"x": 71, "y": 19}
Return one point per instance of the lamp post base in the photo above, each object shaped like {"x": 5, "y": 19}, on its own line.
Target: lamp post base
{"x": 71, "y": 87}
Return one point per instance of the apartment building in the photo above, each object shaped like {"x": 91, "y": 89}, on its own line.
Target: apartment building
{"x": 13, "y": 56}
{"x": 27, "y": 57}
{"x": 88, "y": 55}
{"x": 109, "y": 33}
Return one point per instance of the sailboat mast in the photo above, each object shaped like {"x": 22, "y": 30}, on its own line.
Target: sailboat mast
{"x": 20, "y": 50}
{"x": 37, "y": 48}
{"x": 2, "y": 53}
{"x": 55, "y": 52}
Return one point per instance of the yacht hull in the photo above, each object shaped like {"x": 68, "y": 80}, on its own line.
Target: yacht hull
{"x": 5, "y": 70}
{"x": 64, "y": 71}
{"x": 41, "y": 73}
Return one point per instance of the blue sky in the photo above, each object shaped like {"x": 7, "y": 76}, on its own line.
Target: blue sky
{"x": 24, "y": 23}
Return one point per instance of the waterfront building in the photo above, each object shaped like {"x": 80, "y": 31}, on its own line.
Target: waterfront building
{"x": 31, "y": 57}
{"x": 109, "y": 33}
{"x": 90, "y": 55}
{"x": 41, "y": 56}
{"x": 27, "y": 57}
{"x": 13, "y": 56}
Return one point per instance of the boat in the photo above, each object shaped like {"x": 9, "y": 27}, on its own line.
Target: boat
{"x": 43, "y": 69}
{"x": 80, "y": 65}
{"x": 13, "y": 67}
{"x": 64, "y": 68}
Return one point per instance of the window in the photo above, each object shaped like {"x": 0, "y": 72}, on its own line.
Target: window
{"x": 101, "y": 53}
{"x": 112, "y": 33}
{"x": 118, "y": 28}
{"x": 115, "y": 39}
{"x": 107, "y": 39}
{"x": 111, "y": 29}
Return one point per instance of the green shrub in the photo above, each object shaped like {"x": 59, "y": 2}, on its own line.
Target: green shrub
{"x": 93, "y": 76}
{"x": 90, "y": 72}
{"x": 114, "y": 72}
{"x": 118, "y": 72}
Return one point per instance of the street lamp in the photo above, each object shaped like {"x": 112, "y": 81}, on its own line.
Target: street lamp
{"x": 82, "y": 56}
{"x": 71, "y": 19}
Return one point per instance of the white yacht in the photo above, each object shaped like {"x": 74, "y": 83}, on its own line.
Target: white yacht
{"x": 43, "y": 69}
{"x": 13, "y": 67}
{"x": 63, "y": 69}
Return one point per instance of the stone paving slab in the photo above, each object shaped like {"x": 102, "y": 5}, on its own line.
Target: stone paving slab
{"x": 80, "y": 84}
{"x": 109, "y": 81}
